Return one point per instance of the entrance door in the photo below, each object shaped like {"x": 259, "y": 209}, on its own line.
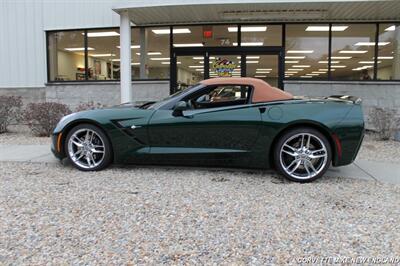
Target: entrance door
{"x": 189, "y": 71}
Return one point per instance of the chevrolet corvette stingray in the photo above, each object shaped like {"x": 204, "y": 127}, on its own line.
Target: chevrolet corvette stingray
{"x": 233, "y": 122}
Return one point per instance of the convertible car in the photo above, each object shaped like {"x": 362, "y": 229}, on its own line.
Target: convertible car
{"x": 233, "y": 122}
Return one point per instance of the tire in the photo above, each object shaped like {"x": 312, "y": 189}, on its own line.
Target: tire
{"x": 88, "y": 148}
{"x": 302, "y": 154}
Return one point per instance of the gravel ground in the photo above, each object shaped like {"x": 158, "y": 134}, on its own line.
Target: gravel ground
{"x": 136, "y": 215}
{"x": 378, "y": 150}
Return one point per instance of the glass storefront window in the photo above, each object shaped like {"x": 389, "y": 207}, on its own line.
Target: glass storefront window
{"x": 264, "y": 67}
{"x": 389, "y": 53}
{"x": 103, "y": 57}
{"x": 261, "y": 35}
{"x": 353, "y": 48}
{"x": 200, "y": 36}
{"x": 155, "y": 63}
{"x": 307, "y": 48}
{"x": 66, "y": 55}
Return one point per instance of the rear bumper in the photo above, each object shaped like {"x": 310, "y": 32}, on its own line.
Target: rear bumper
{"x": 350, "y": 132}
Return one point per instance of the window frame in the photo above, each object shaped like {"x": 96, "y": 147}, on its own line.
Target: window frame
{"x": 209, "y": 88}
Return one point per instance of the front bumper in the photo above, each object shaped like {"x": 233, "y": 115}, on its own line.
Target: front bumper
{"x": 56, "y": 146}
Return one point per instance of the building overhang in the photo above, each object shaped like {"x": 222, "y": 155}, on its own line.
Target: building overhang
{"x": 158, "y": 12}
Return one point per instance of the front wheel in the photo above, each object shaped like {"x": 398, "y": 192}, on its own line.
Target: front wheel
{"x": 302, "y": 154}
{"x": 88, "y": 148}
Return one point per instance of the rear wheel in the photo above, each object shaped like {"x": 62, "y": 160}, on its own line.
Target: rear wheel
{"x": 88, "y": 148}
{"x": 302, "y": 154}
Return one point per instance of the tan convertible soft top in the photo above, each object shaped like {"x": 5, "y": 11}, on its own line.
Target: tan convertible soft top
{"x": 263, "y": 92}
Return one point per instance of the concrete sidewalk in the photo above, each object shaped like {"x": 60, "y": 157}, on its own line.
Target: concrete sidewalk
{"x": 361, "y": 169}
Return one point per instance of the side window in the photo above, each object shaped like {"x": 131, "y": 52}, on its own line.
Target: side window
{"x": 222, "y": 95}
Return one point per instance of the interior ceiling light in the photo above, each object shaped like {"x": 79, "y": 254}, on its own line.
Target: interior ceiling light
{"x": 295, "y": 57}
{"x": 352, "y": 52}
{"x": 260, "y": 76}
{"x": 301, "y": 66}
{"x": 159, "y": 58}
{"x": 361, "y": 68}
{"x": 323, "y": 69}
{"x": 102, "y": 55}
{"x": 188, "y": 45}
{"x": 263, "y": 72}
{"x": 319, "y": 72}
{"x": 249, "y": 44}
{"x": 132, "y": 46}
{"x": 340, "y": 57}
{"x": 291, "y": 62}
{"x": 291, "y": 72}
{"x": 385, "y": 57}
{"x": 264, "y": 69}
{"x": 326, "y": 28}
{"x": 312, "y": 74}
{"x": 369, "y": 62}
{"x": 371, "y": 43}
{"x": 102, "y": 34}
{"x": 326, "y": 62}
{"x": 174, "y": 31}
{"x": 196, "y": 66}
{"x": 300, "y": 51}
{"x": 306, "y": 76}
{"x": 248, "y": 29}
{"x": 151, "y": 53}
{"x": 167, "y": 63}
{"x": 338, "y": 66}
{"x": 73, "y": 49}
{"x": 135, "y": 64}
{"x": 296, "y": 69}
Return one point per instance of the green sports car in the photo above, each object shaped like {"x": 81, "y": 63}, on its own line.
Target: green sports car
{"x": 233, "y": 122}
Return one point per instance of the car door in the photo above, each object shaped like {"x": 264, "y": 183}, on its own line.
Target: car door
{"x": 211, "y": 133}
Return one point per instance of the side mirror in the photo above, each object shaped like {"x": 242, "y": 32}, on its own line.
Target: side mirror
{"x": 179, "y": 108}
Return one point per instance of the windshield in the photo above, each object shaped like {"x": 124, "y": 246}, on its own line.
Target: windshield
{"x": 155, "y": 105}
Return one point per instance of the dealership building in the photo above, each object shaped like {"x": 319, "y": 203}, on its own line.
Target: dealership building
{"x": 118, "y": 51}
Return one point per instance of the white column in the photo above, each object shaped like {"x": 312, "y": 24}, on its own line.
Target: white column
{"x": 125, "y": 57}
{"x": 143, "y": 53}
{"x": 396, "y": 55}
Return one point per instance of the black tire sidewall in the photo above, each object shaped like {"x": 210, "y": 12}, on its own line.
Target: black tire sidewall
{"x": 107, "y": 147}
{"x": 286, "y": 135}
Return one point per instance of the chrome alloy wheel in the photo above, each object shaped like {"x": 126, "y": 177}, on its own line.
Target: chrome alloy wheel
{"x": 303, "y": 156}
{"x": 86, "y": 148}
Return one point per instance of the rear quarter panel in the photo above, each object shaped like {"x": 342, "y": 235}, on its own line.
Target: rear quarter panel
{"x": 322, "y": 115}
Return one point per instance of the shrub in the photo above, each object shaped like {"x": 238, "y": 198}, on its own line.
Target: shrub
{"x": 10, "y": 111}
{"x": 89, "y": 106}
{"x": 42, "y": 118}
{"x": 384, "y": 121}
